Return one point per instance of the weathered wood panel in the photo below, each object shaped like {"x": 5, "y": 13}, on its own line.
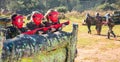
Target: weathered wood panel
{"x": 52, "y": 47}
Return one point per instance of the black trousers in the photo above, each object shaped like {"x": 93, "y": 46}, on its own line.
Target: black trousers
{"x": 110, "y": 31}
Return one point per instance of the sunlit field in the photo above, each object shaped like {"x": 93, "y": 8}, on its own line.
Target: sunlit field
{"x": 96, "y": 48}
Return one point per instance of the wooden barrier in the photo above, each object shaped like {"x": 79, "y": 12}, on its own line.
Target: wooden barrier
{"x": 52, "y": 47}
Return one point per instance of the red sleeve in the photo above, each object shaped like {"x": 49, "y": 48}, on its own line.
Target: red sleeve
{"x": 57, "y": 26}
{"x": 45, "y": 29}
{"x": 31, "y": 32}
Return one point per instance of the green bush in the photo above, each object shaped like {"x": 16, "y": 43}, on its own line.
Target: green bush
{"x": 106, "y": 6}
{"x": 62, "y": 9}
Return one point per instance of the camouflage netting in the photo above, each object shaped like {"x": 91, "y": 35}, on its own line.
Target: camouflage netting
{"x": 52, "y": 47}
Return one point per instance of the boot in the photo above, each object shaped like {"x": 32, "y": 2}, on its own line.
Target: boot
{"x": 108, "y": 35}
{"x": 89, "y": 32}
{"x": 98, "y": 32}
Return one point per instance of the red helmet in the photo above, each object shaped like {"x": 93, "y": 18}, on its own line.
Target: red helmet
{"x": 17, "y": 21}
{"x": 37, "y": 18}
{"x": 53, "y": 16}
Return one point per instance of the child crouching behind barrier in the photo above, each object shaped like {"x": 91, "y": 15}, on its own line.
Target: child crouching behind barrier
{"x": 36, "y": 21}
{"x": 52, "y": 17}
{"x": 51, "y": 25}
{"x": 17, "y": 26}
{"x": 34, "y": 27}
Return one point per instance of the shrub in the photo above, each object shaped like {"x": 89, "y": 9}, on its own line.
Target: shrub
{"x": 106, "y": 6}
{"x": 62, "y": 9}
{"x": 62, "y": 16}
{"x": 74, "y": 14}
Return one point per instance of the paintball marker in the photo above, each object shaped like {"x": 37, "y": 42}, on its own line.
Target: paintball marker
{"x": 46, "y": 29}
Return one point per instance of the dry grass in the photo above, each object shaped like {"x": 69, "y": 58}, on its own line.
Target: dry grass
{"x": 95, "y": 48}
{"x": 100, "y": 11}
{"x": 78, "y": 15}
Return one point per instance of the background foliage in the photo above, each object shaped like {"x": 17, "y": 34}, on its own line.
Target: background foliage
{"x": 27, "y": 6}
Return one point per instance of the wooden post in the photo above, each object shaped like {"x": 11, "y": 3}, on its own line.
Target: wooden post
{"x": 72, "y": 50}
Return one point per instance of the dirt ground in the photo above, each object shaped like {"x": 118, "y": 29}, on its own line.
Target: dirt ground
{"x": 104, "y": 50}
